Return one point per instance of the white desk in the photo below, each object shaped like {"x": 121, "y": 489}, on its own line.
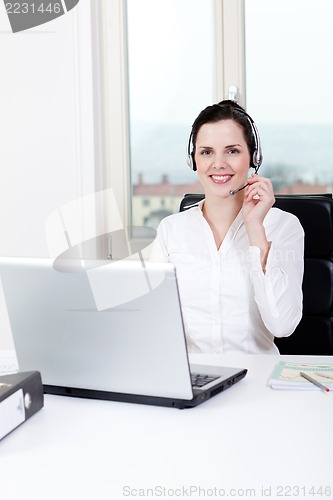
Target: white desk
{"x": 248, "y": 438}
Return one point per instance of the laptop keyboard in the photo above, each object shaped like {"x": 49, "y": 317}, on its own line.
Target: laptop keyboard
{"x": 201, "y": 380}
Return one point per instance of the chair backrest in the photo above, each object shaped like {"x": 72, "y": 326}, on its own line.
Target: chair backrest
{"x": 314, "y": 334}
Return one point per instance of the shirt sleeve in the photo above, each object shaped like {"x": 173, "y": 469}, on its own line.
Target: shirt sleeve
{"x": 278, "y": 291}
{"x": 159, "y": 252}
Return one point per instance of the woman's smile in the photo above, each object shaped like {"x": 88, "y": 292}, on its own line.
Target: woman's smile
{"x": 221, "y": 179}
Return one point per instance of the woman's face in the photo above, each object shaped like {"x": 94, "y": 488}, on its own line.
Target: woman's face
{"x": 222, "y": 157}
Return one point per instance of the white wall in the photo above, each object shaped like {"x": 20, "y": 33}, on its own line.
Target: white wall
{"x": 46, "y": 129}
{"x": 42, "y": 124}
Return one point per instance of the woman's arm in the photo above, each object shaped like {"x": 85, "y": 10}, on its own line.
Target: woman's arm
{"x": 278, "y": 290}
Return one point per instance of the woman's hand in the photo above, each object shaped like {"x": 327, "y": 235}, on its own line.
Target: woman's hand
{"x": 258, "y": 199}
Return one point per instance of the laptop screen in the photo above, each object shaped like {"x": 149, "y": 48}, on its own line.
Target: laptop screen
{"x": 114, "y": 328}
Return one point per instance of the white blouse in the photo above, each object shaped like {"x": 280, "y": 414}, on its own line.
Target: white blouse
{"x": 228, "y": 303}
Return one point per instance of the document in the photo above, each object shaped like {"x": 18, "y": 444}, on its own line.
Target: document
{"x": 302, "y": 376}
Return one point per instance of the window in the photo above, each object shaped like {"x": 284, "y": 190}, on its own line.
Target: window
{"x": 170, "y": 74}
{"x": 288, "y": 90}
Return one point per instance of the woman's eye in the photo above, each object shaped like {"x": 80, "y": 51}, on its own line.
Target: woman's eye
{"x": 233, "y": 151}
{"x": 206, "y": 152}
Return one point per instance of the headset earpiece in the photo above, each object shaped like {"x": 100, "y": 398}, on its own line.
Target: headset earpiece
{"x": 257, "y": 156}
{"x": 190, "y": 155}
{"x": 191, "y": 162}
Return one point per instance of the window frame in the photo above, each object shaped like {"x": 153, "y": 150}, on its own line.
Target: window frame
{"x": 111, "y": 85}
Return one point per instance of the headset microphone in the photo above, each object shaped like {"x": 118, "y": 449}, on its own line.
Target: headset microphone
{"x": 234, "y": 191}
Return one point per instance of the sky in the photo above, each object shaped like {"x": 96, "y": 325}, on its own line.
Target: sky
{"x": 288, "y": 59}
{"x": 170, "y": 59}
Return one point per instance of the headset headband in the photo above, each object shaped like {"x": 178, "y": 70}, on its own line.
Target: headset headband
{"x": 257, "y": 156}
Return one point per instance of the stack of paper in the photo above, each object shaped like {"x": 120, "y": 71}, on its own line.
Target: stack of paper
{"x": 8, "y": 361}
{"x": 288, "y": 376}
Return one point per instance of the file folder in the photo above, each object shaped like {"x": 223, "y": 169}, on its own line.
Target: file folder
{"x": 21, "y": 396}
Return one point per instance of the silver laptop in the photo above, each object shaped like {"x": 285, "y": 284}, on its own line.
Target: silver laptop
{"x": 112, "y": 332}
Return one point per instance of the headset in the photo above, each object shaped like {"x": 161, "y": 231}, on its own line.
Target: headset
{"x": 257, "y": 156}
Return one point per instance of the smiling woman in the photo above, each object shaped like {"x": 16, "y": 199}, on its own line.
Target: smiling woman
{"x": 231, "y": 244}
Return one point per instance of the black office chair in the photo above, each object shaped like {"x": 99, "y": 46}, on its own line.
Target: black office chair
{"x": 314, "y": 334}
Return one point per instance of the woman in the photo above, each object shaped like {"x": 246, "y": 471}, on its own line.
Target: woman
{"x": 239, "y": 262}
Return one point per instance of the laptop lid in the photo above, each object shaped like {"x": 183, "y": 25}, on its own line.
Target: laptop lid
{"x": 116, "y": 328}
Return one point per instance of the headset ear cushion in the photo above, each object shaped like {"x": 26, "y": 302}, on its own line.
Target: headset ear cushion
{"x": 194, "y": 167}
{"x": 256, "y": 159}
{"x": 191, "y": 161}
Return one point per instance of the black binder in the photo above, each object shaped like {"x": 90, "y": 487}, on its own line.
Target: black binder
{"x": 21, "y": 396}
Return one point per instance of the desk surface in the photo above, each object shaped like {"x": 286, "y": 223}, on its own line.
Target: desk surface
{"x": 250, "y": 441}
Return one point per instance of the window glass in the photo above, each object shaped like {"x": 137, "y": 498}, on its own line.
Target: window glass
{"x": 170, "y": 65}
{"x": 289, "y": 81}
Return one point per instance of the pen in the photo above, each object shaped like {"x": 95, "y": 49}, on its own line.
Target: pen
{"x": 313, "y": 381}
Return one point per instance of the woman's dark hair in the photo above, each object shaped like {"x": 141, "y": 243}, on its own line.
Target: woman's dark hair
{"x": 225, "y": 110}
